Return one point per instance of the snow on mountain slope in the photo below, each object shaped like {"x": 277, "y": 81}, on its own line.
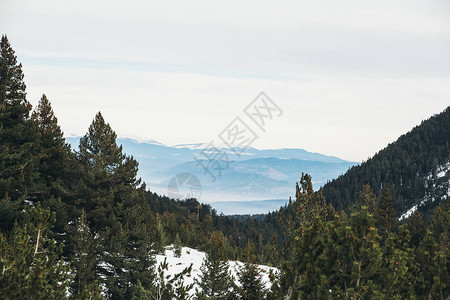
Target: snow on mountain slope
{"x": 195, "y": 257}
{"x": 437, "y": 183}
{"x": 408, "y": 213}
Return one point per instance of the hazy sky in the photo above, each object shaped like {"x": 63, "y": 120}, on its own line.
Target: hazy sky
{"x": 350, "y": 76}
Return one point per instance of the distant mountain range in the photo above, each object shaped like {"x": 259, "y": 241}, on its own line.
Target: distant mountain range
{"x": 417, "y": 166}
{"x": 254, "y": 175}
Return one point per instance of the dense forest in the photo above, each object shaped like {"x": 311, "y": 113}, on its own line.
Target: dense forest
{"x": 79, "y": 224}
{"x": 409, "y": 165}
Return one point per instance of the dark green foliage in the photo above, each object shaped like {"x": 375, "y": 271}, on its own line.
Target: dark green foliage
{"x": 177, "y": 245}
{"x": 195, "y": 222}
{"x": 56, "y": 166}
{"x": 109, "y": 174}
{"x": 250, "y": 279}
{"x": 29, "y": 261}
{"x": 84, "y": 261}
{"x": 305, "y": 227}
{"x": 433, "y": 256}
{"x": 347, "y": 256}
{"x": 9, "y": 211}
{"x": 17, "y": 135}
{"x": 406, "y": 165}
{"x": 141, "y": 294}
{"x": 215, "y": 281}
{"x": 387, "y": 218}
{"x": 53, "y": 152}
{"x": 417, "y": 228}
{"x": 116, "y": 211}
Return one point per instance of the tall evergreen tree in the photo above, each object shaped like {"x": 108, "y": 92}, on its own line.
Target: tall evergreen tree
{"x": 386, "y": 214}
{"x": 215, "y": 281}
{"x": 356, "y": 256}
{"x": 109, "y": 175}
{"x": 141, "y": 240}
{"x": 368, "y": 199}
{"x": 250, "y": 279}
{"x": 58, "y": 169}
{"x": 116, "y": 210}
{"x": 53, "y": 151}
{"x": 417, "y": 228}
{"x": 305, "y": 229}
{"x": 177, "y": 246}
{"x": 17, "y": 135}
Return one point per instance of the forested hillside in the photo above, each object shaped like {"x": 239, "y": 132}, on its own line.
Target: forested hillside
{"x": 416, "y": 166}
{"x": 79, "y": 224}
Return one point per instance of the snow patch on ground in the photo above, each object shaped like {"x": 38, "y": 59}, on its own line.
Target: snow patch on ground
{"x": 408, "y": 213}
{"x": 437, "y": 181}
{"x": 177, "y": 264}
{"x": 195, "y": 257}
{"x": 412, "y": 210}
{"x": 443, "y": 170}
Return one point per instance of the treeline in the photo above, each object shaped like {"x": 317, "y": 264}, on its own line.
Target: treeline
{"x": 194, "y": 222}
{"x": 409, "y": 165}
{"x": 362, "y": 254}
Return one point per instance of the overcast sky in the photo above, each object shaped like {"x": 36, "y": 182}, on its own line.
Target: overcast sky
{"x": 350, "y": 76}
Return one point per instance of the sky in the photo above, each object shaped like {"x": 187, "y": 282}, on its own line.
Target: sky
{"x": 349, "y": 76}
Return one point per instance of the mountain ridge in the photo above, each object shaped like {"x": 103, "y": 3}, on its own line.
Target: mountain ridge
{"x": 256, "y": 175}
{"x": 409, "y": 165}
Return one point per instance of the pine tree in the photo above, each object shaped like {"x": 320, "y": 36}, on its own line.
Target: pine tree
{"x": 84, "y": 261}
{"x": 54, "y": 152}
{"x": 140, "y": 293}
{"x": 139, "y": 249}
{"x": 215, "y": 281}
{"x": 397, "y": 274}
{"x": 306, "y": 233}
{"x": 417, "y": 227}
{"x": 177, "y": 246}
{"x": 109, "y": 175}
{"x": 368, "y": 199}
{"x": 116, "y": 211}
{"x": 250, "y": 279}
{"x": 354, "y": 245}
{"x": 58, "y": 169}
{"x": 162, "y": 236}
{"x": 433, "y": 256}
{"x": 30, "y": 261}
{"x": 386, "y": 214}
{"x": 17, "y": 134}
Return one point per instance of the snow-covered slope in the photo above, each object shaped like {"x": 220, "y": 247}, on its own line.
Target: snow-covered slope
{"x": 437, "y": 184}
{"x": 195, "y": 257}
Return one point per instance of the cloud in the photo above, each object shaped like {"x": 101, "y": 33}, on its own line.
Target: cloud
{"x": 350, "y": 75}
{"x": 348, "y": 117}
{"x": 290, "y": 38}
